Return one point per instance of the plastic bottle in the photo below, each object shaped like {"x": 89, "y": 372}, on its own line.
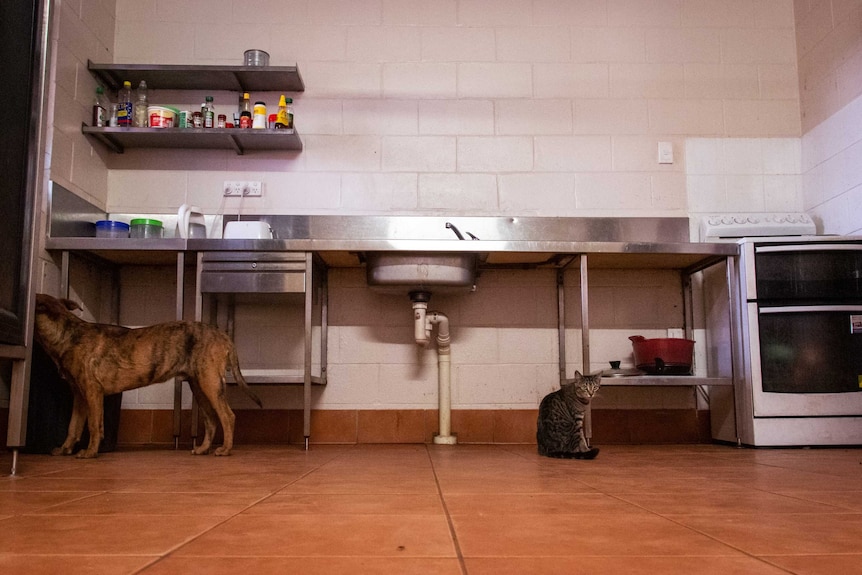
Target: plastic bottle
{"x": 124, "y": 105}
{"x": 101, "y": 108}
{"x": 259, "y": 121}
{"x": 141, "y": 120}
{"x": 208, "y": 112}
{"x": 245, "y": 112}
{"x": 284, "y": 117}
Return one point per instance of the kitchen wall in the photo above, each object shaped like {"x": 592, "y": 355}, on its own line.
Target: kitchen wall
{"x": 480, "y": 107}
{"x": 829, "y": 45}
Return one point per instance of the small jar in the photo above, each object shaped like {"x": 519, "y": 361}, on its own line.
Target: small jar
{"x": 197, "y": 120}
{"x": 111, "y": 229}
{"x": 222, "y": 121}
{"x": 146, "y": 228}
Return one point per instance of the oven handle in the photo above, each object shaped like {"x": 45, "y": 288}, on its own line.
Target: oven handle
{"x": 855, "y": 247}
{"x": 810, "y": 308}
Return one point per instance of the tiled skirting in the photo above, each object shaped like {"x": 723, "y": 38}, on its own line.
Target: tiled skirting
{"x": 610, "y": 426}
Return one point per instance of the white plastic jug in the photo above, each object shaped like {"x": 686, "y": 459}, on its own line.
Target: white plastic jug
{"x": 190, "y": 222}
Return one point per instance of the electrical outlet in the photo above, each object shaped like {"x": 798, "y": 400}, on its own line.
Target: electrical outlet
{"x": 252, "y": 189}
{"x": 233, "y": 188}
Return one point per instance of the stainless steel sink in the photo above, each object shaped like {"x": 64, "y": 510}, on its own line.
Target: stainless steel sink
{"x": 435, "y": 272}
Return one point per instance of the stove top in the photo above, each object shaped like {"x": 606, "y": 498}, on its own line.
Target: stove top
{"x": 760, "y": 224}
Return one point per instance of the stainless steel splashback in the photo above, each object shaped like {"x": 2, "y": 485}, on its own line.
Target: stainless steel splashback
{"x": 599, "y": 229}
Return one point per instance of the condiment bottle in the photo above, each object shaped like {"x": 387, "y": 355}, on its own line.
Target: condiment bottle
{"x": 208, "y": 113}
{"x": 245, "y": 112}
{"x": 259, "y": 121}
{"x": 284, "y": 118}
{"x": 100, "y": 109}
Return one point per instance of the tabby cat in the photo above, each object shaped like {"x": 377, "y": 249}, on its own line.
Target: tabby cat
{"x": 560, "y": 427}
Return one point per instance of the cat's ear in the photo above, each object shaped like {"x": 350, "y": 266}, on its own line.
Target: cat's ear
{"x": 578, "y": 374}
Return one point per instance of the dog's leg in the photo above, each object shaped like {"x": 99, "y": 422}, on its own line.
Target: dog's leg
{"x": 76, "y": 425}
{"x": 209, "y": 419}
{"x": 95, "y": 422}
{"x": 212, "y": 385}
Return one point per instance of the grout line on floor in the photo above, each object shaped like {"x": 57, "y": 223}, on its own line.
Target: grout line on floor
{"x": 461, "y": 562}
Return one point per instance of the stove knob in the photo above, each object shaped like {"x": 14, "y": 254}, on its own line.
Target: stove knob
{"x": 726, "y": 220}
{"x": 753, "y": 220}
{"x": 738, "y": 220}
{"x": 713, "y": 220}
{"x": 780, "y": 219}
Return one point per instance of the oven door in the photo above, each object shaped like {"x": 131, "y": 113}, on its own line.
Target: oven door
{"x": 806, "y": 360}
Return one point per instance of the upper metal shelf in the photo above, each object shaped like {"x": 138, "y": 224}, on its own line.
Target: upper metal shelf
{"x": 189, "y": 77}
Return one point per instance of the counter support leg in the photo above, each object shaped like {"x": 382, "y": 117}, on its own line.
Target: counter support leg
{"x": 306, "y": 382}
{"x": 178, "y": 383}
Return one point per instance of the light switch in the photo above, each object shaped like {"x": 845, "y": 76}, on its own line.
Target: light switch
{"x": 665, "y": 152}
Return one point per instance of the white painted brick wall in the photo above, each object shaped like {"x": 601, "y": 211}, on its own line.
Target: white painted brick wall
{"x": 479, "y": 107}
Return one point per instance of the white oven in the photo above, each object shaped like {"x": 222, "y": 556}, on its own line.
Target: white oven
{"x": 797, "y": 306}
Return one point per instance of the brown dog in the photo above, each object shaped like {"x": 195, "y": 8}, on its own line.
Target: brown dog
{"x": 99, "y": 359}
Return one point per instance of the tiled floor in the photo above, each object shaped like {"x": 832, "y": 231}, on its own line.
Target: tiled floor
{"x": 435, "y": 510}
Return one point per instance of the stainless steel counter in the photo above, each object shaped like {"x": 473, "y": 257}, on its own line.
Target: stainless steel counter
{"x": 347, "y": 251}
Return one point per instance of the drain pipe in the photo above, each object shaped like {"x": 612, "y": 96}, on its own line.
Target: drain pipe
{"x": 423, "y": 322}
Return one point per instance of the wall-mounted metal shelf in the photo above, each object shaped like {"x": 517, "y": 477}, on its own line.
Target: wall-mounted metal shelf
{"x": 209, "y": 78}
{"x": 238, "y": 140}
{"x": 183, "y": 77}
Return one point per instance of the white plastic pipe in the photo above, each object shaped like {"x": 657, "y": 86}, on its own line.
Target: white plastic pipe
{"x": 423, "y": 322}
{"x": 444, "y": 380}
{"x": 421, "y": 328}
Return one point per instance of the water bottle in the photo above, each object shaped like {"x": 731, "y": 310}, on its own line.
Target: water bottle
{"x": 141, "y": 106}
{"x": 124, "y": 105}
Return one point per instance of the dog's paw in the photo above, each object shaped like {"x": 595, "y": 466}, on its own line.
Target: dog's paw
{"x": 87, "y": 454}
{"x": 199, "y": 451}
{"x": 221, "y": 451}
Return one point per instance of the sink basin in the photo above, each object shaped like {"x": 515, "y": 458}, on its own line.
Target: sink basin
{"x": 435, "y": 272}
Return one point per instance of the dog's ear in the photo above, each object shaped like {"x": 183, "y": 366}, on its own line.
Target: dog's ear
{"x": 70, "y": 305}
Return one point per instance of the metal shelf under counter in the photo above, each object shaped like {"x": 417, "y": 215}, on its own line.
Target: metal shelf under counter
{"x": 666, "y": 381}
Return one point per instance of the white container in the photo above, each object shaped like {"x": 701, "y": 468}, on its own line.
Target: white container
{"x": 247, "y": 230}
{"x": 162, "y": 116}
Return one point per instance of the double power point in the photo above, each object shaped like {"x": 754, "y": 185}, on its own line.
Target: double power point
{"x": 239, "y": 188}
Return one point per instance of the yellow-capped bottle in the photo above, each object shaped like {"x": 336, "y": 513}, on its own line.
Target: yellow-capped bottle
{"x": 284, "y": 117}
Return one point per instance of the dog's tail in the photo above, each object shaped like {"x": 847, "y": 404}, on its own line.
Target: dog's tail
{"x": 237, "y": 375}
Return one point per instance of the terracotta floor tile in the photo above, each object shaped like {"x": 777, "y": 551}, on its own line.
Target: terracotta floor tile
{"x": 536, "y": 503}
{"x": 724, "y": 502}
{"x": 603, "y": 534}
{"x": 345, "y": 481}
{"x": 325, "y": 536}
{"x": 306, "y": 565}
{"x": 784, "y": 533}
{"x": 348, "y": 504}
{"x": 89, "y": 564}
{"x": 849, "y": 500}
{"x": 20, "y": 502}
{"x": 197, "y": 504}
{"x": 818, "y": 564}
{"x": 383, "y": 509}
{"x": 590, "y": 565}
{"x": 99, "y": 535}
